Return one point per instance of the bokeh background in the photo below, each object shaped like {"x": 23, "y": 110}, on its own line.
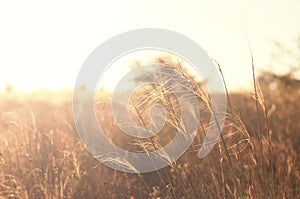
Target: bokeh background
{"x": 43, "y": 45}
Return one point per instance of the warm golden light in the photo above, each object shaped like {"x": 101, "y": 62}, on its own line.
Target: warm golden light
{"x": 42, "y": 50}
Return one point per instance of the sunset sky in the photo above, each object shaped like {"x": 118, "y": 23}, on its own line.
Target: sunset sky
{"x": 43, "y": 44}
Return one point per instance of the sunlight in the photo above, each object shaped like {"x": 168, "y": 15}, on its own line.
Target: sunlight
{"x": 122, "y": 65}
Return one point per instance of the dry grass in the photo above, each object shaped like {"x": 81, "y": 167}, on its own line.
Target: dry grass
{"x": 41, "y": 155}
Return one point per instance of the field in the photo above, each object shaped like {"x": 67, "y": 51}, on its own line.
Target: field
{"x": 257, "y": 156}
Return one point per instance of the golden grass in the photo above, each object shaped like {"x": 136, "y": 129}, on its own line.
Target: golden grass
{"x": 41, "y": 155}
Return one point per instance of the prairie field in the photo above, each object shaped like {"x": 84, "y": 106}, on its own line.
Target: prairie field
{"x": 257, "y": 155}
{"x": 150, "y": 99}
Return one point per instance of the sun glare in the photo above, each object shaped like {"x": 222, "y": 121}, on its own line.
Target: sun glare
{"x": 124, "y": 64}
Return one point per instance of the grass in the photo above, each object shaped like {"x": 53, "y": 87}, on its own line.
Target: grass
{"x": 41, "y": 155}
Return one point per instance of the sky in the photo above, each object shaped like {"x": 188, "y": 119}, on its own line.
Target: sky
{"x": 44, "y": 44}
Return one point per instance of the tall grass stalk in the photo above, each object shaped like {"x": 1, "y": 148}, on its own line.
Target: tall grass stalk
{"x": 258, "y": 119}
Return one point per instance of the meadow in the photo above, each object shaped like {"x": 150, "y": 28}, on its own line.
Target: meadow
{"x": 257, "y": 156}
